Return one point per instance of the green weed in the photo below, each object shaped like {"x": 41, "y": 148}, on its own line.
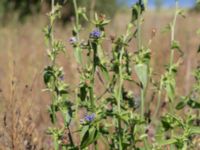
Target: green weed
{"x": 115, "y": 117}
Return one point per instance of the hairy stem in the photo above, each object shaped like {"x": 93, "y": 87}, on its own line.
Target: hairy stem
{"x": 119, "y": 98}
{"x": 53, "y": 61}
{"x": 139, "y": 48}
{"x": 52, "y": 28}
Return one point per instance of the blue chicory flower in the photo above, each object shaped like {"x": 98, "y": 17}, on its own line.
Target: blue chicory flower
{"x": 61, "y": 77}
{"x": 89, "y": 118}
{"x": 72, "y": 40}
{"x": 95, "y": 34}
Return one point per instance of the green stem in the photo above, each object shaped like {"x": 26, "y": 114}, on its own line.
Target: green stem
{"x": 56, "y": 145}
{"x": 70, "y": 136}
{"x": 139, "y": 33}
{"x": 77, "y": 105}
{"x": 172, "y": 50}
{"x": 139, "y": 48}
{"x": 119, "y": 97}
{"x": 53, "y": 61}
{"x": 92, "y": 102}
{"x": 92, "y": 9}
{"x": 54, "y": 109}
{"x": 96, "y": 145}
{"x": 132, "y": 136}
{"x": 77, "y": 18}
{"x": 159, "y": 100}
{"x": 173, "y": 34}
{"x": 142, "y": 102}
{"x": 143, "y": 90}
{"x": 52, "y": 27}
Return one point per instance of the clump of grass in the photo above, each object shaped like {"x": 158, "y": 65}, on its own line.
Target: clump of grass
{"x": 114, "y": 117}
{"x": 18, "y": 130}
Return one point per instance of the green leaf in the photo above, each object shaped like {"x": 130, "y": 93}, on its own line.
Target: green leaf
{"x": 104, "y": 22}
{"x": 84, "y": 130}
{"x": 105, "y": 72}
{"x": 125, "y": 117}
{"x": 181, "y": 12}
{"x": 89, "y": 137}
{"x": 193, "y": 104}
{"x": 83, "y": 92}
{"x": 47, "y": 33}
{"x": 78, "y": 55}
{"x": 134, "y": 13}
{"x": 176, "y": 45}
{"x": 52, "y": 112}
{"x": 167, "y": 28}
{"x": 194, "y": 130}
{"x": 167, "y": 142}
{"x": 82, "y": 13}
{"x": 170, "y": 121}
{"x": 137, "y": 10}
{"x": 142, "y": 73}
{"x": 49, "y": 76}
{"x": 68, "y": 117}
{"x": 170, "y": 89}
{"x": 181, "y": 105}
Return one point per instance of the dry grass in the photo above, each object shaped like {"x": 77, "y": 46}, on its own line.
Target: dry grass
{"x": 23, "y": 112}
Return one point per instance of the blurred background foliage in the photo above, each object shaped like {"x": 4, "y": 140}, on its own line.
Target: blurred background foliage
{"x": 197, "y": 6}
{"x": 21, "y": 9}
{"x": 158, "y": 4}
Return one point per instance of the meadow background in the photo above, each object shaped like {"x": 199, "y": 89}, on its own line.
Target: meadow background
{"x": 23, "y": 105}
